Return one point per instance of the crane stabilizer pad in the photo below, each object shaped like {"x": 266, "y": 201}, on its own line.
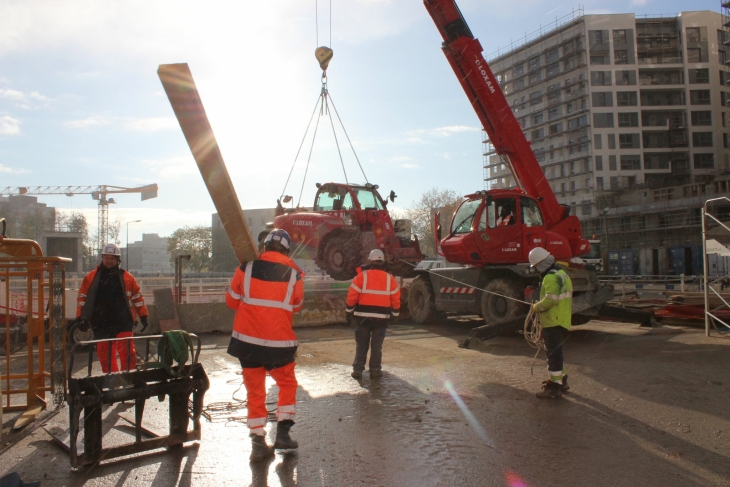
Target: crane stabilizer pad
{"x": 177, "y": 80}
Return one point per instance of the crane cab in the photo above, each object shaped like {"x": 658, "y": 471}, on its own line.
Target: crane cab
{"x": 499, "y": 227}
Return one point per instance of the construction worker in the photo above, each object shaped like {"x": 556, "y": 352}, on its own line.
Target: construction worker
{"x": 108, "y": 300}
{"x": 555, "y": 310}
{"x": 506, "y": 215}
{"x": 373, "y": 301}
{"x": 265, "y": 293}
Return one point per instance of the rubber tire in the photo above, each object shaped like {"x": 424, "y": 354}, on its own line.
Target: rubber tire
{"x": 497, "y": 309}
{"x": 75, "y": 335}
{"x": 421, "y": 300}
{"x": 341, "y": 257}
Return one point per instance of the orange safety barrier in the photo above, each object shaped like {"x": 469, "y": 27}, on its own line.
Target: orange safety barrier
{"x": 40, "y": 281}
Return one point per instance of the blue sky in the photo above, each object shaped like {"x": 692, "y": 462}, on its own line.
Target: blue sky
{"x": 81, "y": 103}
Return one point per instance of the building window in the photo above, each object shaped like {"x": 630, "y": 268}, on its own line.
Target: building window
{"x": 619, "y": 36}
{"x": 553, "y": 70}
{"x": 554, "y": 95}
{"x": 602, "y": 99}
{"x": 535, "y": 77}
{"x": 700, "y": 76}
{"x": 537, "y": 118}
{"x": 704, "y": 161}
{"x": 535, "y": 97}
{"x": 600, "y": 78}
{"x": 538, "y": 134}
{"x": 699, "y": 97}
{"x": 572, "y": 186}
{"x": 600, "y": 59}
{"x": 620, "y": 57}
{"x": 568, "y": 64}
{"x": 614, "y": 182}
{"x": 701, "y": 139}
{"x": 724, "y": 96}
{"x": 602, "y": 120}
{"x": 598, "y": 38}
{"x": 588, "y": 169}
{"x": 726, "y": 141}
{"x": 629, "y": 141}
{"x": 626, "y": 99}
{"x": 611, "y": 141}
{"x": 534, "y": 63}
{"x": 567, "y": 48}
{"x": 553, "y": 113}
{"x": 552, "y": 55}
{"x": 598, "y": 141}
{"x": 693, "y": 34}
{"x": 631, "y": 162}
{"x": 599, "y": 183}
{"x": 694, "y": 55}
{"x": 701, "y": 118}
{"x": 628, "y": 119}
{"x": 519, "y": 69}
{"x": 556, "y": 128}
{"x": 611, "y": 163}
{"x": 625, "y": 78}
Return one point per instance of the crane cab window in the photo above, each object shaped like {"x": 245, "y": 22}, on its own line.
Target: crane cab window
{"x": 368, "y": 199}
{"x": 331, "y": 199}
{"x": 501, "y": 213}
{"x": 465, "y": 217}
{"x": 531, "y": 215}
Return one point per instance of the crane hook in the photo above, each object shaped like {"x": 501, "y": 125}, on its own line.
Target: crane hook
{"x": 324, "y": 56}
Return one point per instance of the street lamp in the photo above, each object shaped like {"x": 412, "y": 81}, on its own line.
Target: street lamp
{"x": 127, "y": 258}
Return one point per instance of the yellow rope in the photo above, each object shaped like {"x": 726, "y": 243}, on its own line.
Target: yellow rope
{"x": 533, "y": 334}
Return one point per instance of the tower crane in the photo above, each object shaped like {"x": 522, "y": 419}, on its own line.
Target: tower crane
{"x": 98, "y": 193}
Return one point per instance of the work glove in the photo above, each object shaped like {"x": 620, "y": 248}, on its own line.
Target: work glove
{"x": 392, "y": 318}
{"x": 144, "y": 321}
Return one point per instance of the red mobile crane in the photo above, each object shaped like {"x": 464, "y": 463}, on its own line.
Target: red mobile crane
{"x": 493, "y": 231}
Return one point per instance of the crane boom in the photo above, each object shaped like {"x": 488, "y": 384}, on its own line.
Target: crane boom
{"x": 464, "y": 54}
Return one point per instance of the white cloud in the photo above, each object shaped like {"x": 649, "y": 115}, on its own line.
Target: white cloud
{"x": 152, "y": 124}
{"x": 29, "y": 100}
{"x": 10, "y": 170}
{"x": 402, "y": 159}
{"x": 442, "y": 131}
{"x": 409, "y": 166}
{"x": 94, "y": 121}
{"x": 9, "y": 125}
{"x": 639, "y": 3}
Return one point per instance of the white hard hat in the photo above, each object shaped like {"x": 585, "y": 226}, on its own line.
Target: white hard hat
{"x": 279, "y": 236}
{"x": 376, "y": 255}
{"x": 112, "y": 249}
{"x": 537, "y": 255}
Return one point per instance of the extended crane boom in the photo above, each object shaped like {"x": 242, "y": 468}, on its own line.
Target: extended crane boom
{"x": 464, "y": 54}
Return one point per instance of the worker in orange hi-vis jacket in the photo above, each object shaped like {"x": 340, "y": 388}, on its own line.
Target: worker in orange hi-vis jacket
{"x": 265, "y": 293}
{"x": 108, "y": 300}
{"x": 373, "y": 301}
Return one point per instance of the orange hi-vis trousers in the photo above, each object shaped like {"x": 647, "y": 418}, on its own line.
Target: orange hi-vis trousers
{"x": 123, "y": 348}
{"x": 255, "y": 381}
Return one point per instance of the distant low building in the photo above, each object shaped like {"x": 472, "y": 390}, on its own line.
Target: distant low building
{"x": 224, "y": 258}
{"x": 149, "y": 256}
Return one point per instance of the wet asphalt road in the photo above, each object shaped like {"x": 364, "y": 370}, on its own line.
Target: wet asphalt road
{"x": 648, "y": 407}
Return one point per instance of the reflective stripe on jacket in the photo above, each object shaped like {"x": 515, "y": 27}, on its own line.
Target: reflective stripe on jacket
{"x": 556, "y": 300}
{"x": 265, "y": 293}
{"x": 374, "y": 293}
{"x": 87, "y": 295}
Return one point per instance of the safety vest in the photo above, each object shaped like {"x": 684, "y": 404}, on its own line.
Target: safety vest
{"x": 265, "y": 293}
{"x": 373, "y": 293}
{"x": 87, "y": 295}
{"x": 556, "y": 300}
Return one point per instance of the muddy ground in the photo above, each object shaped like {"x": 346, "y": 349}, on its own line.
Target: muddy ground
{"x": 647, "y": 407}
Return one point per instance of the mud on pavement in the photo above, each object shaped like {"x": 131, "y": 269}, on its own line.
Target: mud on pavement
{"x": 647, "y": 407}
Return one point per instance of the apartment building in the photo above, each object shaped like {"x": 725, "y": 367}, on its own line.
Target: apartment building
{"x": 628, "y": 116}
{"x": 148, "y": 256}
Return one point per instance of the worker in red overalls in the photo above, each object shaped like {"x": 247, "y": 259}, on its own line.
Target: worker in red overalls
{"x": 265, "y": 293}
{"x": 109, "y": 298}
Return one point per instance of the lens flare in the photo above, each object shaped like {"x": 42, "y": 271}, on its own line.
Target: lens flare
{"x": 478, "y": 429}
{"x": 514, "y": 480}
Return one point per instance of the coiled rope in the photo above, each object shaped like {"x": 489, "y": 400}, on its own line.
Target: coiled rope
{"x": 533, "y": 334}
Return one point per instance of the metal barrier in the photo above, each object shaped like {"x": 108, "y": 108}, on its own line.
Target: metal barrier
{"x": 711, "y": 315}
{"x": 43, "y": 280}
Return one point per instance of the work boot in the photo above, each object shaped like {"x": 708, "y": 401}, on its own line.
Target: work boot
{"x": 550, "y": 390}
{"x": 356, "y": 375}
{"x": 376, "y": 373}
{"x": 259, "y": 449}
{"x": 283, "y": 440}
{"x": 565, "y": 387}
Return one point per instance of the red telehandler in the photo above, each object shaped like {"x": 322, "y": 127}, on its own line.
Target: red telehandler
{"x": 492, "y": 232}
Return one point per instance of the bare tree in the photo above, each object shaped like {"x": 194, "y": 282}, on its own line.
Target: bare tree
{"x": 421, "y": 215}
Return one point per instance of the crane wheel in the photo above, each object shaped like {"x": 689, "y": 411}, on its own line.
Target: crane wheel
{"x": 421, "y": 300}
{"x": 342, "y": 256}
{"x": 495, "y": 303}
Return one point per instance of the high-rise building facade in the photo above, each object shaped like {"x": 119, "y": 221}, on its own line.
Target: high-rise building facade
{"x": 629, "y": 118}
